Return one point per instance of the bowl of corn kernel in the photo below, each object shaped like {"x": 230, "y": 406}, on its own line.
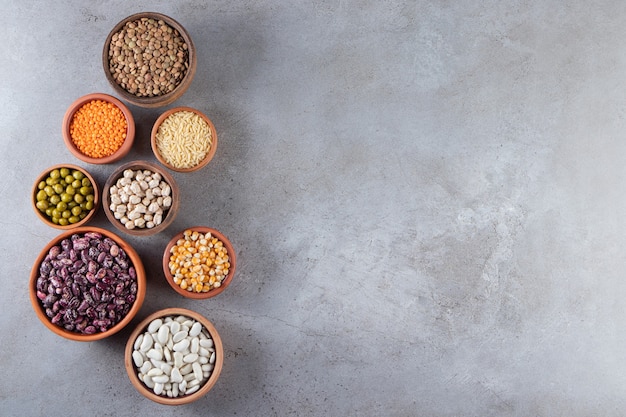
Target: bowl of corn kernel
{"x": 98, "y": 129}
{"x": 199, "y": 262}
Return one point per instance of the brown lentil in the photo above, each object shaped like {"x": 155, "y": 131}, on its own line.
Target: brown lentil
{"x": 148, "y": 57}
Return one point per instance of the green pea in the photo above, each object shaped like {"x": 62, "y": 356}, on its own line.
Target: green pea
{"x": 41, "y": 185}
{"x": 85, "y": 182}
{"x": 77, "y": 184}
{"x": 89, "y": 205}
{"x": 42, "y": 205}
{"x": 86, "y": 190}
{"x": 69, "y": 179}
{"x": 72, "y": 204}
{"x": 56, "y": 213}
{"x": 55, "y": 220}
{"x": 49, "y": 190}
{"x": 78, "y": 175}
{"x": 82, "y": 215}
{"x": 70, "y": 190}
{"x": 79, "y": 198}
{"x": 50, "y": 181}
{"x": 58, "y": 188}
{"x": 54, "y": 199}
{"x": 41, "y": 195}
{"x": 64, "y": 172}
{"x": 90, "y": 197}
{"x": 66, "y": 198}
{"x": 62, "y": 206}
{"x": 74, "y": 219}
{"x": 66, "y": 214}
{"x": 63, "y": 222}
{"x": 76, "y": 210}
{"x": 55, "y": 173}
{"x": 49, "y": 211}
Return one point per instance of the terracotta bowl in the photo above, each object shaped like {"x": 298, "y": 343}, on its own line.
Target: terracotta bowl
{"x": 159, "y": 156}
{"x": 130, "y": 129}
{"x": 37, "y": 290}
{"x": 132, "y": 369}
{"x": 212, "y": 292}
{"x": 158, "y": 100}
{"x": 48, "y": 220}
{"x": 168, "y": 216}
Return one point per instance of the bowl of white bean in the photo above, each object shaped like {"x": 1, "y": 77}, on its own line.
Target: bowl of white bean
{"x": 140, "y": 198}
{"x": 174, "y": 356}
{"x": 184, "y": 139}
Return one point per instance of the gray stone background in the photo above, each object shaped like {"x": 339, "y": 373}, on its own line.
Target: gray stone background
{"x": 425, "y": 198}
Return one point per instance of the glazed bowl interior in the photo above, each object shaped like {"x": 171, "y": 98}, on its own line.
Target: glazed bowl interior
{"x": 130, "y": 129}
{"x": 39, "y": 268}
{"x": 47, "y": 219}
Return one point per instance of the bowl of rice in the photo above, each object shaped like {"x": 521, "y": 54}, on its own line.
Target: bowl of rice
{"x": 183, "y": 139}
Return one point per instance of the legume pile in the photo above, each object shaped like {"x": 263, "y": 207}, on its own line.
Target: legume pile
{"x": 98, "y": 128}
{"x": 199, "y": 262}
{"x": 184, "y": 139}
{"x": 66, "y": 196}
{"x": 87, "y": 283}
{"x": 140, "y": 199}
{"x": 148, "y": 58}
{"x": 175, "y": 356}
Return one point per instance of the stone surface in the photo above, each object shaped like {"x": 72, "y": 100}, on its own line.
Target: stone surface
{"x": 424, "y": 199}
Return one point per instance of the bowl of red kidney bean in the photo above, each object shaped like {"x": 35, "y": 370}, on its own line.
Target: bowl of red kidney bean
{"x": 87, "y": 284}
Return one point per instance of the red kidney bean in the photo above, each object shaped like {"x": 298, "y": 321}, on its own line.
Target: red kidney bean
{"x": 87, "y": 283}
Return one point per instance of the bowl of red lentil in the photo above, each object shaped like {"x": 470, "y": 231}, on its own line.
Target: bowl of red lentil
{"x": 183, "y": 139}
{"x": 199, "y": 262}
{"x": 149, "y": 59}
{"x": 98, "y": 129}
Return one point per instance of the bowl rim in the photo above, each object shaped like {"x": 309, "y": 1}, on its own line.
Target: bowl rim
{"x": 203, "y": 295}
{"x": 164, "y": 99}
{"x": 141, "y": 286}
{"x": 171, "y": 213}
{"x": 130, "y": 128}
{"x": 157, "y": 124}
{"x": 96, "y": 198}
{"x": 141, "y": 327}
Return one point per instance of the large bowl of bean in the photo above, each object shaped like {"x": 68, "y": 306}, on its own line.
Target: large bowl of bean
{"x": 199, "y": 262}
{"x": 184, "y": 344}
{"x": 87, "y": 284}
{"x": 98, "y": 129}
{"x": 140, "y": 198}
{"x": 149, "y": 59}
{"x": 65, "y": 196}
{"x": 183, "y": 139}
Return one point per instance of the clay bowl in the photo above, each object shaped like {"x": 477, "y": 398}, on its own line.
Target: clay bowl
{"x": 47, "y": 219}
{"x": 37, "y": 290}
{"x": 173, "y": 122}
{"x": 214, "y": 291}
{"x": 205, "y": 386}
{"x": 130, "y": 129}
{"x": 168, "y": 216}
{"x": 133, "y": 97}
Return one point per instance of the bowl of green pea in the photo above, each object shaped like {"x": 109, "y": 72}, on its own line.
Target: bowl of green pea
{"x": 65, "y": 196}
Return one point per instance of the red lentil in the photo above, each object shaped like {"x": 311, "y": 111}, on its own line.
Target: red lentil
{"x": 98, "y": 128}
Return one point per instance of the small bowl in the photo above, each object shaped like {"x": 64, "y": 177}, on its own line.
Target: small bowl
{"x": 132, "y": 371}
{"x": 155, "y": 130}
{"x": 47, "y": 220}
{"x": 170, "y": 214}
{"x": 213, "y": 292}
{"x": 130, "y": 129}
{"x": 140, "y": 280}
{"x": 162, "y": 99}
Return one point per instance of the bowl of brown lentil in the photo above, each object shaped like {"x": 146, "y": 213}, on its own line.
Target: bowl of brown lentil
{"x": 140, "y": 198}
{"x": 87, "y": 284}
{"x": 199, "y": 262}
{"x": 98, "y": 129}
{"x": 65, "y": 196}
{"x": 149, "y": 59}
{"x": 183, "y": 139}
